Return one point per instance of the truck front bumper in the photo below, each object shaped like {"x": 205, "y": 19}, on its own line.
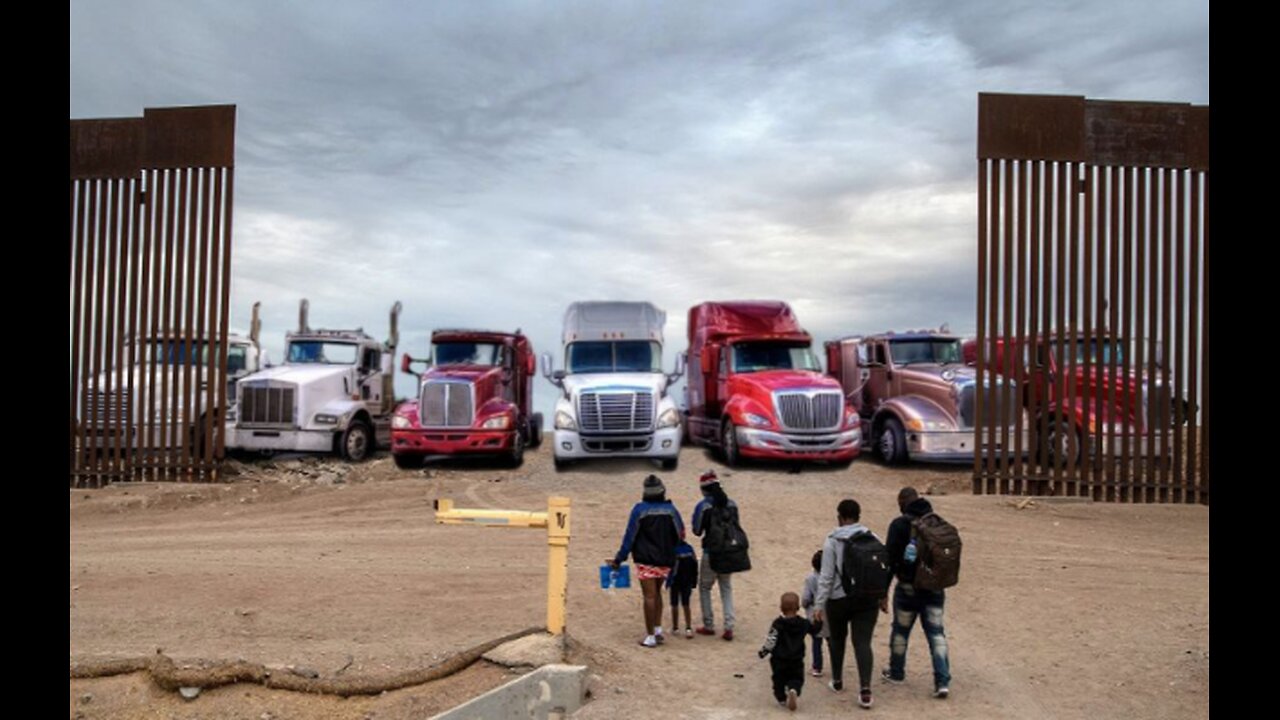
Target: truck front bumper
{"x": 767, "y": 444}
{"x": 953, "y": 445}
{"x": 661, "y": 444}
{"x": 280, "y": 440}
{"x": 459, "y": 441}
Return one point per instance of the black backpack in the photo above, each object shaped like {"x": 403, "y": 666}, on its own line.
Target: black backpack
{"x": 726, "y": 542}
{"x": 937, "y": 552}
{"x": 865, "y": 572}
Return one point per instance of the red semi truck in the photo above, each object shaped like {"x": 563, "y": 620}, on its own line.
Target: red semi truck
{"x": 1136, "y": 402}
{"x": 756, "y": 390}
{"x": 475, "y": 398}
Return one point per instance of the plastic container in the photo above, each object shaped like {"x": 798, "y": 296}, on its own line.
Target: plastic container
{"x": 610, "y": 578}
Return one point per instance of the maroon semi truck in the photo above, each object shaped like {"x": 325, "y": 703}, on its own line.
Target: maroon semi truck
{"x": 914, "y": 391}
{"x": 475, "y": 398}
{"x": 756, "y": 390}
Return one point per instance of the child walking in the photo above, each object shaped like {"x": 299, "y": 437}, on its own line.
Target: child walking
{"x": 806, "y": 602}
{"x": 681, "y": 582}
{"x": 785, "y": 643}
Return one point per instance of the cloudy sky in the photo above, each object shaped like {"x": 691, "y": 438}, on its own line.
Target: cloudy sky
{"x": 489, "y": 163}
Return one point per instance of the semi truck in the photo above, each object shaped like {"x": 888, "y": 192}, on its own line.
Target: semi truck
{"x": 613, "y": 392}
{"x": 333, "y": 393}
{"x": 756, "y": 389}
{"x": 475, "y": 397}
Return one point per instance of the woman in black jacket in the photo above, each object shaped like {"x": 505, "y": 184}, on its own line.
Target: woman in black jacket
{"x": 653, "y": 532}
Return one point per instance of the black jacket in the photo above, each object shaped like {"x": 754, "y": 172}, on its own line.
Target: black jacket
{"x": 786, "y": 637}
{"x": 900, "y": 535}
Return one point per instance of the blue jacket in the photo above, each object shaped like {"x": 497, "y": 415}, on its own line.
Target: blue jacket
{"x": 653, "y": 532}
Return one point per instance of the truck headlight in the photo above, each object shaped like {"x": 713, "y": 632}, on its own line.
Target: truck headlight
{"x": 668, "y": 418}
{"x": 852, "y": 421}
{"x": 755, "y": 420}
{"x": 401, "y": 422}
{"x": 565, "y": 421}
{"x": 502, "y": 422}
{"x": 324, "y": 419}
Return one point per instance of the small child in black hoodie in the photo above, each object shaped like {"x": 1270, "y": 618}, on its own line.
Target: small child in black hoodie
{"x": 786, "y": 643}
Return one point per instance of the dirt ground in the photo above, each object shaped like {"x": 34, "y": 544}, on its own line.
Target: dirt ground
{"x": 1064, "y": 610}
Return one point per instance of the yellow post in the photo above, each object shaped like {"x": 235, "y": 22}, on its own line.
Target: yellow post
{"x": 557, "y": 563}
{"x": 555, "y": 520}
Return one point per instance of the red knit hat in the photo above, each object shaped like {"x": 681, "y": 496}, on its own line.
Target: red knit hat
{"x": 707, "y": 478}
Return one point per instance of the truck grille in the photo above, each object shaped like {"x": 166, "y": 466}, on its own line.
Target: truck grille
{"x": 446, "y": 404}
{"x": 609, "y": 412}
{"x": 968, "y": 396}
{"x": 266, "y": 405}
{"x": 107, "y": 405}
{"x": 809, "y": 410}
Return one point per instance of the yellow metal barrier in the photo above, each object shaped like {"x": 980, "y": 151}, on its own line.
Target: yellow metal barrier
{"x": 555, "y": 520}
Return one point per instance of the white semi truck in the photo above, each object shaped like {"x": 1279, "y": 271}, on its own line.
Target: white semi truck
{"x": 614, "y": 400}
{"x": 333, "y": 393}
{"x": 160, "y": 397}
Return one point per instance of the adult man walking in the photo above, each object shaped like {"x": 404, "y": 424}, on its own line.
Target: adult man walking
{"x": 847, "y": 612}
{"x": 910, "y": 602}
{"x": 714, "y": 507}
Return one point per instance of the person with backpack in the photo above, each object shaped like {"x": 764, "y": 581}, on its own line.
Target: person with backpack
{"x": 724, "y": 551}
{"x": 654, "y": 530}
{"x": 853, "y": 587}
{"x": 920, "y": 542}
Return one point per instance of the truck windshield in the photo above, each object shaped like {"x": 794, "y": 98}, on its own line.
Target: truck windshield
{"x": 237, "y": 358}
{"x": 1098, "y": 351}
{"x": 758, "y": 357}
{"x": 466, "y": 353}
{"x": 930, "y": 350}
{"x": 614, "y": 356}
{"x": 322, "y": 353}
{"x": 176, "y": 352}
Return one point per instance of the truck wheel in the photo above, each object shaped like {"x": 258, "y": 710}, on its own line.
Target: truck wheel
{"x": 535, "y": 430}
{"x": 407, "y": 462}
{"x": 892, "y": 444}
{"x": 670, "y": 463}
{"x": 729, "y": 444}
{"x": 1063, "y": 442}
{"x": 516, "y": 456}
{"x": 357, "y": 442}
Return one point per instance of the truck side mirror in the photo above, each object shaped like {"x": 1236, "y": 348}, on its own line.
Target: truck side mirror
{"x": 554, "y": 378}
{"x": 405, "y": 360}
{"x": 679, "y": 372}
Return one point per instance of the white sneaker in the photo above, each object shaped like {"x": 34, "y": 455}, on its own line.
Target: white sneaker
{"x": 942, "y": 692}
{"x": 649, "y": 641}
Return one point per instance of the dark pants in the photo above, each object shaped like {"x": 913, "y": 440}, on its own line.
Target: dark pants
{"x": 857, "y": 618}
{"x": 680, "y": 596}
{"x": 787, "y": 673}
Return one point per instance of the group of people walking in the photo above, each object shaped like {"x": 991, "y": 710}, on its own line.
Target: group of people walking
{"x": 842, "y": 597}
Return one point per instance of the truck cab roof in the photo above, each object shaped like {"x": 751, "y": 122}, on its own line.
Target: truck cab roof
{"x": 744, "y": 319}
{"x": 472, "y": 335}
{"x": 613, "y": 320}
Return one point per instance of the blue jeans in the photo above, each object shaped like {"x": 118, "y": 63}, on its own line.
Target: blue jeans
{"x": 908, "y": 604}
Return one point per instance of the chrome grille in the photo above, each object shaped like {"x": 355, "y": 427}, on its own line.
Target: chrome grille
{"x": 267, "y": 405}
{"x": 993, "y": 394}
{"x": 809, "y": 410}
{"x": 608, "y": 412}
{"x": 446, "y": 404}
{"x": 107, "y": 405}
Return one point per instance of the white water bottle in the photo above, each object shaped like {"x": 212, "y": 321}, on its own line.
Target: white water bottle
{"x": 909, "y": 555}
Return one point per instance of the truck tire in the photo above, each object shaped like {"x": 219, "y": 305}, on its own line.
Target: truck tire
{"x": 535, "y": 430}
{"x": 515, "y": 457}
{"x": 1063, "y": 442}
{"x": 729, "y": 444}
{"x": 892, "y": 443}
{"x": 356, "y": 444}
{"x": 407, "y": 462}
